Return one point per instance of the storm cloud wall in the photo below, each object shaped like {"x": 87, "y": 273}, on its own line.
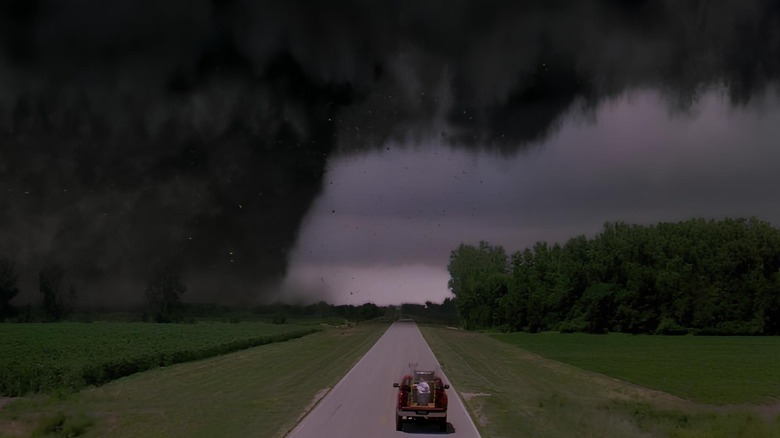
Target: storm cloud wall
{"x": 135, "y": 133}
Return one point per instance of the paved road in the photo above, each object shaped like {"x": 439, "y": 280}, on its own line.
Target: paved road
{"x": 362, "y": 404}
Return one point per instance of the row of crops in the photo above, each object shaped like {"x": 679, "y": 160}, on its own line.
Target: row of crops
{"x": 69, "y": 356}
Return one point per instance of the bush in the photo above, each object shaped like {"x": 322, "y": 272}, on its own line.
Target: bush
{"x": 668, "y": 326}
{"x": 60, "y": 425}
{"x": 573, "y": 326}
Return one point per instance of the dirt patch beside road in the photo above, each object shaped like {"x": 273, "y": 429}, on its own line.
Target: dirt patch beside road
{"x": 6, "y": 400}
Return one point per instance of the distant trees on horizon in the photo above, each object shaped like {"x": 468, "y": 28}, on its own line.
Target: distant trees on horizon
{"x": 699, "y": 276}
{"x": 164, "y": 290}
{"x": 163, "y": 303}
{"x": 56, "y": 301}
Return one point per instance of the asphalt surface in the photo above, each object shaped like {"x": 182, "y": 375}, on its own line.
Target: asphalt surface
{"x": 362, "y": 404}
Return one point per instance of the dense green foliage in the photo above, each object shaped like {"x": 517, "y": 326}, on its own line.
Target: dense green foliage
{"x": 706, "y": 277}
{"x": 707, "y": 369}
{"x": 46, "y": 357}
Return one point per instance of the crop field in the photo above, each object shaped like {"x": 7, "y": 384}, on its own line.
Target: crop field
{"x": 261, "y": 391}
{"x": 707, "y": 369}
{"x": 68, "y": 356}
{"x": 511, "y": 391}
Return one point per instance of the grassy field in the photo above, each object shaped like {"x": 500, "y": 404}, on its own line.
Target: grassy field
{"x": 512, "y": 392}
{"x": 69, "y": 356}
{"x": 707, "y": 369}
{"x": 260, "y": 392}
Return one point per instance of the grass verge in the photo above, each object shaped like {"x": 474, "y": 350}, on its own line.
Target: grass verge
{"x": 260, "y": 391}
{"x": 706, "y": 369}
{"x": 512, "y": 392}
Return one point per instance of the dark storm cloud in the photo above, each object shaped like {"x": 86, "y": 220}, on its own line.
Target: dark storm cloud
{"x": 399, "y": 206}
{"x": 135, "y": 131}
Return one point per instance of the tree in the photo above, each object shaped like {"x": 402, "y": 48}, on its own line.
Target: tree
{"x": 8, "y": 288}
{"x": 163, "y": 293}
{"x": 599, "y": 303}
{"x": 368, "y": 311}
{"x": 478, "y": 279}
{"x": 50, "y": 285}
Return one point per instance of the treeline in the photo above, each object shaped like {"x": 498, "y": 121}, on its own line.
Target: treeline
{"x": 444, "y": 313}
{"x": 163, "y": 302}
{"x": 59, "y": 298}
{"x": 322, "y": 310}
{"x": 696, "y": 276}
{"x": 281, "y": 313}
{"x": 277, "y": 312}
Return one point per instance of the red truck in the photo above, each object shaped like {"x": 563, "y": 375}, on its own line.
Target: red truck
{"x": 421, "y": 397}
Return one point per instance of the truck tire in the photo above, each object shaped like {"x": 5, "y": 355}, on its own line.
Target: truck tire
{"x": 443, "y": 425}
{"x": 399, "y": 425}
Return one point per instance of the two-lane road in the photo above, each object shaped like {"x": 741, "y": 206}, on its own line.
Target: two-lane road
{"x": 362, "y": 404}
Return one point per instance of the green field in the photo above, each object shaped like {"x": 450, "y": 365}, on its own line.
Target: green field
{"x": 69, "y": 356}
{"x": 513, "y": 392}
{"x": 707, "y": 369}
{"x": 507, "y": 382}
{"x": 260, "y": 391}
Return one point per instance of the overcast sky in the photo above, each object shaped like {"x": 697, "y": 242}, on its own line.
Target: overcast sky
{"x": 385, "y": 225}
